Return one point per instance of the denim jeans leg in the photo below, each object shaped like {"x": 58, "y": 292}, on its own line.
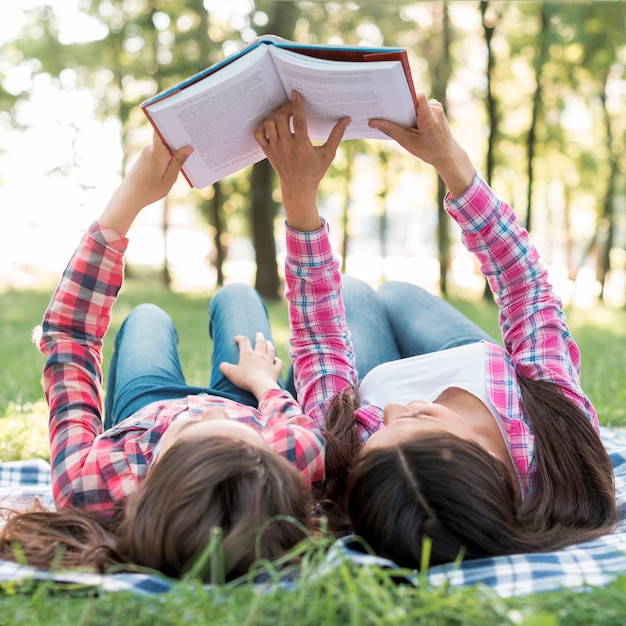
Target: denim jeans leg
{"x": 235, "y": 309}
{"x": 423, "y": 322}
{"x": 372, "y": 337}
{"x": 373, "y": 342}
{"x": 145, "y": 366}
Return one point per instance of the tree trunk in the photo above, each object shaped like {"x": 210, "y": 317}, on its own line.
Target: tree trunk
{"x": 166, "y": 275}
{"x": 608, "y": 211}
{"x": 347, "y": 176}
{"x": 531, "y": 140}
{"x": 492, "y": 113}
{"x": 439, "y": 79}
{"x": 262, "y": 217}
{"x": 440, "y": 74}
{"x": 216, "y": 220}
{"x": 282, "y": 19}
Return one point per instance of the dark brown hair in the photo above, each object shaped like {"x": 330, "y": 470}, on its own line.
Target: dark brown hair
{"x": 254, "y": 500}
{"x": 198, "y": 486}
{"x": 61, "y": 539}
{"x": 455, "y": 493}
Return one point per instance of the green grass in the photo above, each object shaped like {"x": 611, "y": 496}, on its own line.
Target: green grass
{"x": 347, "y": 595}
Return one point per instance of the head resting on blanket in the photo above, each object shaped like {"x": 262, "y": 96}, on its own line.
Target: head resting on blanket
{"x": 452, "y": 491}
{"x": 253, "y": 496}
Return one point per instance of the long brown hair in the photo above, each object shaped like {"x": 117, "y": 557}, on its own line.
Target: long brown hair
{"x": 255, "y": 497}
{"x": 458, "y": 495}
{"x": 250, "y": 497}
{"x": 62, "y": 539}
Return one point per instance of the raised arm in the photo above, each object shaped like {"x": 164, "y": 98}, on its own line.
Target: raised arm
{"x": 321, "y": 350}
{"x": 299, "y": 164}
{"x": 432, "y": 142}
{"x": 79, "y": 315}
{"x": 148, "y": 180}
{"x": 532, "y": 321}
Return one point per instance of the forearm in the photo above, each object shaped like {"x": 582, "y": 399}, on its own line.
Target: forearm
{"x": 534, "y": 328}
{"x": 149, "y": 180}
{"x": 81, "y": 305}
{"x": 301, "y": 210}
{"x": 72, "y": 332}
{"x": 455, "y": 170}
{"x": 121, "y": 211}
{"x": 261, "y": 386}
{"x": 321, "y": 350}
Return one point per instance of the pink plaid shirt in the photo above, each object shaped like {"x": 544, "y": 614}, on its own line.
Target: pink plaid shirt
{"x": 95, "y": 469}
{"x": 537, "y": 341}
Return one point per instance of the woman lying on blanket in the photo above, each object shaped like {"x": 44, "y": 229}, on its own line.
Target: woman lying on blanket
{"x": 484, "y": 450}
{"x": 173, "y": 462}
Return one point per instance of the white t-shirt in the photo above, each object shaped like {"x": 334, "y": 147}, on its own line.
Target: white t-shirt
{"x": 426, "y": 376}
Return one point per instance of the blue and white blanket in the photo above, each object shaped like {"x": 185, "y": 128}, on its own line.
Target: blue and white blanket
{"x": 593, "y": 563}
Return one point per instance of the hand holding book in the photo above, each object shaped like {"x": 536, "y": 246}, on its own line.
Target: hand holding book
{"x": 218, "y": 110}
{"x": 299, "y": 164}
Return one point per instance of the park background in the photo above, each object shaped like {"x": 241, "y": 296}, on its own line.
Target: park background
{"x": 535, "y": 91}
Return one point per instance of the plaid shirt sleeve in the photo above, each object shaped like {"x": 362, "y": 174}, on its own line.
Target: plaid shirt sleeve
{"x": 294, "y": 435}
{"x": 73, "y": 327}
{"x": 534, "y": 328}
{"x": 321, "y": 348}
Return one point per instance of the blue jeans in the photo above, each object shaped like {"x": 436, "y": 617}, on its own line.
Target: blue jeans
{"x": 400, "y": 320}
{"x": 146, "y": 367}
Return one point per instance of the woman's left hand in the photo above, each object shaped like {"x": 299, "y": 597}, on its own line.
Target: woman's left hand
{"x": 258, "y": 369}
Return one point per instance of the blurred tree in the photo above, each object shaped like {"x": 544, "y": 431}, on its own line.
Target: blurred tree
{"x": 539, "y": 60}
{"x": 440, "y": 72}
{"x": 279, "y": 18}
{"x": 489, "y": 19}
{"x": 561, "y": 66}
{"x": 603, "y": 34}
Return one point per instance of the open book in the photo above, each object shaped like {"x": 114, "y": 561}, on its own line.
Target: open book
{"x": 217, "y": 110}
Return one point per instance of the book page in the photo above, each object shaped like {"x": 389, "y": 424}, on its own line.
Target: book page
{"x": 218, "y": 116}
{"x": 335, "y": 89}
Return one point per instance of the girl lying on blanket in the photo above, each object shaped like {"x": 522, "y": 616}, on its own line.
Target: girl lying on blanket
{"x": 173, "y": 462}
{"x": 484, "y": 450}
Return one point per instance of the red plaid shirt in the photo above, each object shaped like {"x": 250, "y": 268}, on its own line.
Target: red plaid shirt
{"x": 537, "y": 340}
{"x": 95, "y": 469}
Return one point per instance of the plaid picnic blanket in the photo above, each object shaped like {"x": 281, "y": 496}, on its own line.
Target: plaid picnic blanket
{"x": 592, "y": 563}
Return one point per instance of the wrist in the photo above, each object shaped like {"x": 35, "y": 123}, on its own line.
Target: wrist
{"x": 301, "y": 212}
{"x": 259, "y": 390}
{"x": 456, "y": 171}
{"x": 121, "y": 211}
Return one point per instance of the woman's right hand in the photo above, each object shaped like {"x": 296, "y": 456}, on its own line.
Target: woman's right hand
{"x": 299, "y": 164}
{"x": 149, "y": 179}
{"x": 432, "y": 141}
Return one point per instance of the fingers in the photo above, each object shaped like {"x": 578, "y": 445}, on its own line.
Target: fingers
{"x": 261, "y": 345}
{"x": 388, "y": 128}
{"x": 435, "y": 104}
{"x": 336, "y": 134}
{"x": 261, "y": 136}
{"x": 277, "y": 125}
{"x": 425, "y": 115}
{"x": 299, "y": 118}
{"x": 176, "y": 162}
